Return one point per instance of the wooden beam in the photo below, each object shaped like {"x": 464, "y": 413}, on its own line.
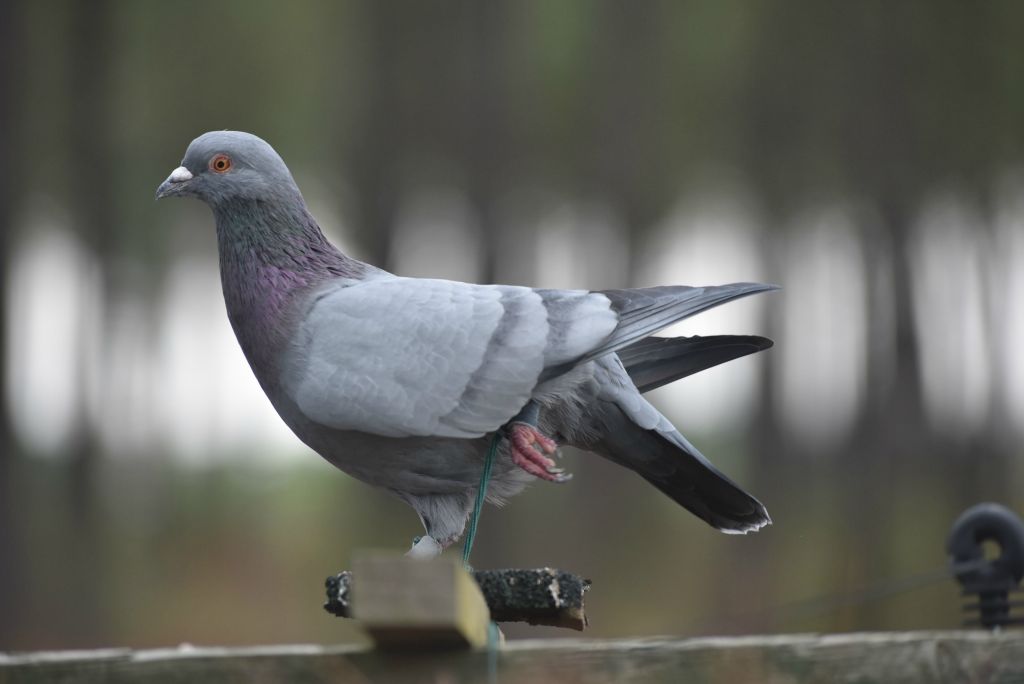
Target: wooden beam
{"x": 890, "y": 657}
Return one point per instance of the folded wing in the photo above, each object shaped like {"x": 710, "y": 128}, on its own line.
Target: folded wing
{"x": 406, "y": 357}
{"x": 414, "y": 357}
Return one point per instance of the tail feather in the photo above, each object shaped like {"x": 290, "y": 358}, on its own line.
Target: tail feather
{"x": 673, "y": 465}
{"x": 657, "y": 361}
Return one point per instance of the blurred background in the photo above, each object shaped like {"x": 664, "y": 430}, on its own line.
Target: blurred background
{"x": 868, "y": 157}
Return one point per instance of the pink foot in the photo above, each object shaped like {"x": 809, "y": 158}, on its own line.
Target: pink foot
{"x": 530, "y": 450}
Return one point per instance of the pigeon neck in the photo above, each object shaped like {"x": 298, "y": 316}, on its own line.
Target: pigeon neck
{"x": 269, "y": 254}
{"x": 282, "y": 234}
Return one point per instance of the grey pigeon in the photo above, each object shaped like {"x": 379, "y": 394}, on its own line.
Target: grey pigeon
{"x": 403, "y": 382}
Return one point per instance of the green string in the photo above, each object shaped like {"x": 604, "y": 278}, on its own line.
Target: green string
{"x": 481, "y": 495}
{"x": 493, "y": 635}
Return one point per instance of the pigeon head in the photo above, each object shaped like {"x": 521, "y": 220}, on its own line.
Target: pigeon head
{"x": 222, "y": 166}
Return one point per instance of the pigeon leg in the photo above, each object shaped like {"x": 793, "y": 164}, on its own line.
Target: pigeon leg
{"x": 531, "y": 449}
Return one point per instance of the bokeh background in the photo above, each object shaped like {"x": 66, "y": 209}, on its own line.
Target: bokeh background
{"x": 868, "y": 156}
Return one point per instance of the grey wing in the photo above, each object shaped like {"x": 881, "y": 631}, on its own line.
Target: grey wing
{"x": 414, "y": 357}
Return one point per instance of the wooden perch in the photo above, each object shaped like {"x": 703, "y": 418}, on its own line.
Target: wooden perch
{"x": 539, "y": 597}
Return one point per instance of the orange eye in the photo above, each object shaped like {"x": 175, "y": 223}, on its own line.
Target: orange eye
{"x": 220, "y": 163}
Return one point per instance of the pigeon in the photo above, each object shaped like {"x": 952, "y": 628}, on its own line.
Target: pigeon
{"x": 403, "y": 383}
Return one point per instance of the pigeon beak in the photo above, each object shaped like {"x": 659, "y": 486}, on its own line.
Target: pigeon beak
{"x": 176, "y": 183}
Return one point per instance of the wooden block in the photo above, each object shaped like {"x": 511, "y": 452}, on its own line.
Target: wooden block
{"x": 407, "y": 603}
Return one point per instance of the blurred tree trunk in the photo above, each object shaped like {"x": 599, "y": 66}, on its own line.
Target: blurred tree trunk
{"x": 11, "y": 584}
{"x": 628, "y": 164}
{"x": 485, "y": 127}
{"x": 866, "y": 151}
{"x": 92, "y": 187}
{"x": 370, "y": 156}
{"x": 885, "y": 161}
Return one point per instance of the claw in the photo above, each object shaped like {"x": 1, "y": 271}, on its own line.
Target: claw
{"x": 530, "y": 451}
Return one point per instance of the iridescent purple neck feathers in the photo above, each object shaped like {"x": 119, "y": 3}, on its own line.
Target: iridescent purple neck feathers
{"x": 271, "y": 253}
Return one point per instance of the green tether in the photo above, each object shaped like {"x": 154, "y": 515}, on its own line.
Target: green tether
{"x": 481, "y": 495}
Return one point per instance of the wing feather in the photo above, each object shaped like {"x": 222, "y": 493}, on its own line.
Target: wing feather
{"x": 417, "y": 357}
